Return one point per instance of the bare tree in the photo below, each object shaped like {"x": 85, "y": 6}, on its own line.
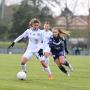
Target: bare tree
{"x": 2, "y": 9}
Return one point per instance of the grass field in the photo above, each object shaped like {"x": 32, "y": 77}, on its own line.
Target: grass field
{"x": 37, "y": 79}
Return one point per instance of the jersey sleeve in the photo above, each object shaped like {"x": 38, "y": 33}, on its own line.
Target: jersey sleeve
{"x": 65, "y": 45}
{"x": 24, "y": 35}
{"x": 51, "y": 33}
{"x": 50, "y": 42}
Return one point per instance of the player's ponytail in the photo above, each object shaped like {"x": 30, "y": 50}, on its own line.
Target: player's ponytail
{"x": 62, "y": 32}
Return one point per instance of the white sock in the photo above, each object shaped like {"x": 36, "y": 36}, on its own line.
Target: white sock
{"x": 48, "y": 70}
{"x": 23, "y": 67}
{"x": 47, "y": 61}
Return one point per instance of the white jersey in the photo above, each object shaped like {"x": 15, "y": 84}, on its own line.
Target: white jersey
{"x": 35, "y": 38}
{"x": 46, "y": 36}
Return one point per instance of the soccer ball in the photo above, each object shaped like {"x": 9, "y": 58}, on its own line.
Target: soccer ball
{"x": 21, "y": 75}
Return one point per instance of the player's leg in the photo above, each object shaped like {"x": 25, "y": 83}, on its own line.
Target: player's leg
{"x": 43, "y": 63}
{"x": 57, "y": 61}
{"x": 46, "y": 68}
{"x": 62, "y": 61}
{"x": 46, "y": 54}
{"x": 23, "y": 63}
{"x": 66, "y": 63}
{"x": 45, "y": 58}
{"x": 25, "y": 59}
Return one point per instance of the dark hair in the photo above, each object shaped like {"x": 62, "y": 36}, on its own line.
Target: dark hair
{"x": 47, "y": 22}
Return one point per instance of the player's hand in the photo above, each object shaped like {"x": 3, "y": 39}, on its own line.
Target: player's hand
{"x": 40, "y": 52}
{"x": 12, "y": 44}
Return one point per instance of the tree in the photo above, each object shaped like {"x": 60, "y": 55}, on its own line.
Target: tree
{"x": 24, "y": 14}
{"x": 3, "y": 31}
{"x": 67, "y": 13}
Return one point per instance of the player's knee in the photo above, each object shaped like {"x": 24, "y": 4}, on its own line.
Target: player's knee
{"x": 23, "y": 60}
{"x": 44, "y": 64}
{"x": 61, "y": 59}
{"x": 57, "y": 62}
{"x": 46, "y": 54}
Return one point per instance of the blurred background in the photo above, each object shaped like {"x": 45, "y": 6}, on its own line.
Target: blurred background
{"x": 71, "y": 15}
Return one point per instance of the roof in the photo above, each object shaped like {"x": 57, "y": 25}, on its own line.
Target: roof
{"x": 76, "y": 21}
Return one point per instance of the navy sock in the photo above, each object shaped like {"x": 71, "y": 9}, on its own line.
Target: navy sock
{"x": 62, "y": 69}
{"x": 66, "y": 63}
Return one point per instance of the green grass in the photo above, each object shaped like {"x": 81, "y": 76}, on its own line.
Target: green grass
{"x": 37, "y": 79}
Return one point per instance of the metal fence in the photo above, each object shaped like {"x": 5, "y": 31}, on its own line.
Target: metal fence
{"x": 12, "y": 50}
{"x": 82, "y": 52}
{"x": 22, "y": 50}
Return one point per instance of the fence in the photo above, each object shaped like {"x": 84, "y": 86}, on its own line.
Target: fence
{"x": 22, "y": 50}
{"x": 12, "y": 50}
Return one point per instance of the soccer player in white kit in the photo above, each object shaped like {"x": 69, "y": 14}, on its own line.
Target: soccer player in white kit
{"x": 46, "y": 35}
{"x": 34, "y": 35}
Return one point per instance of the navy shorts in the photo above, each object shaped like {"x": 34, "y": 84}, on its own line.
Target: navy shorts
{"x": 57, "y": 54}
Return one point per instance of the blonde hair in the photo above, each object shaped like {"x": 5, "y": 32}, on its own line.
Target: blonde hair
{"x": 62, "y": 32}
{"x": 34, "y": 20}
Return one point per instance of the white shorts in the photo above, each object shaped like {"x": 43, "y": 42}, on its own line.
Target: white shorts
{"x": 28, "y": 54}
{"x": 46, "y": 48}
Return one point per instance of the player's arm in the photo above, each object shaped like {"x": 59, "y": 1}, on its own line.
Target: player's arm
{"x": 51, "y": 45}
{"x": 18, "y": 39}
{"x": 50, "y": 42}
{"x": 65, "y": 45}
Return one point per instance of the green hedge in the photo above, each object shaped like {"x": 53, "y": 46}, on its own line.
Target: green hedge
{"x": 6, "y": 44}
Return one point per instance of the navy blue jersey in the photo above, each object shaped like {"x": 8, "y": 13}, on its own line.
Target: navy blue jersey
{"x": 65, "y": 46}
{"x": 58, "y": 45}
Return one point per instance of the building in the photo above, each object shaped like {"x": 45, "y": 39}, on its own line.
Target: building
{"x": 76, "y": 22}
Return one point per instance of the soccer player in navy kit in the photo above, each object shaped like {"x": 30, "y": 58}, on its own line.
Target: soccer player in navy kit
{"x": 58, "y": 47}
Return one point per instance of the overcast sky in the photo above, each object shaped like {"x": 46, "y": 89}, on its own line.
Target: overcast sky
{"x": 81, "y": 8}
